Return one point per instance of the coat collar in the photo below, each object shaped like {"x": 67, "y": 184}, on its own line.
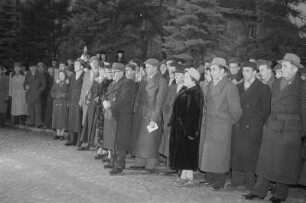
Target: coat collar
{"x": 153, "y": 81}
{"x": 215, "y": 90}
{"x": 289, "y": 90}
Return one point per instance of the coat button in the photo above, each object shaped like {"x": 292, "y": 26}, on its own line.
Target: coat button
{"x": 248, "y": 105}
{"x": 247, "y": 126}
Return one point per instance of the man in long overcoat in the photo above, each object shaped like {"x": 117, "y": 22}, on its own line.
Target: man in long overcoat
{"x": 75, "y": 111}
{"x": 34, "y": 85}
{"x": 303, "y": 98}
{"x": 88, "y": 80}
{"x": 110, "y": 122}
{"x": 255, "y": 98}
{"x": 279, "y": 158}
{"x": 4, "y": 94}
{"x": 149, "y": 103}
{"x": 121, "y": 106}
{"x": 173, "y": 90}
{"x": 221, "y": 110}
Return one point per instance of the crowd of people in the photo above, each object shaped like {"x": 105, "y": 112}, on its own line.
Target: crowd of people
{"x": 246, "y": 119}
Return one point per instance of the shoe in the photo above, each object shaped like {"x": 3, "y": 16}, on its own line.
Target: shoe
{"x": 276, "y": 200}
{"x": 251, "y": 196}
{"x": 69, "y": 144}
{"x": 39, "y": 126}
{"x": 99, "y": 156}
{"x": 152, "y": 170}
{"x": 168, "y": 173}
{"x": 83, "y": 148}
{"x": 56, "y": 137}
{"x": 179, "y": 182}
{"x": 108, "y": 166}
{"x": 115, "y": 171}
{"x": 137, "y": 167}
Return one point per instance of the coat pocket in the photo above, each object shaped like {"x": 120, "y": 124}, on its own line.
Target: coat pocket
{"x": 276, "y": 125}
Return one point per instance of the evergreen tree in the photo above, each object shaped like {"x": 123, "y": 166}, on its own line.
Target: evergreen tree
{"x": 278, "y": 34}
{"x": 9, "y": 30}
{"x": 113, "y": 25}
{"x": 192, "y": 28}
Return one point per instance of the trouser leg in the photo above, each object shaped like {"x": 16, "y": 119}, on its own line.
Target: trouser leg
{"x": 119, "y": 159}
{"x": 238, "y": 178}
{"x": 261, "y": 187}
{"x": 250, "y": 180}
{"x": 209, "y": 177}
{"x": 31, "y": 109}
{"x": 151, "y": 163}
{"x": 38, "y": 113}
{"x": 140, "y": 162}
{"x": 281, "y": 191}
{"x": 218, "y": 180}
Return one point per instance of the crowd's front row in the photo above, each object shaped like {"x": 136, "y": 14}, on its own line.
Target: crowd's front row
{"x": 254, "y": 128}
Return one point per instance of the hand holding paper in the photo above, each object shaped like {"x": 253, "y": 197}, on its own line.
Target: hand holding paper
{"x": 152, "y": 126}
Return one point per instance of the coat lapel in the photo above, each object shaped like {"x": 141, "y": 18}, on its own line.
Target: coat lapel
{"x": 215, "y": 90}
{"x": 287, "y": 91}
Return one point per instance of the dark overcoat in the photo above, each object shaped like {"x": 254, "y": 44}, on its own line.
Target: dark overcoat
{"x": 37, "y": 84}
{"x": 149, "y": 104}
{"x": 122, "y": 109}
{"x": 110, "y": 123}
{"x": 303, "y": 98}
{"x": 221, "y": 110}
{"x": 167, "y": 111}
{"x": 4, "y": 93}
{"x": 247, "y": 133}
{"x": 75, "y": 111}
{"x": 279, "y": 158}
{"x": 59, "y": 93}
{"x": 185, "y": 130}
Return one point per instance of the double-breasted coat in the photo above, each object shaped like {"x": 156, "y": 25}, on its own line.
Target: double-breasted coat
{"x": 186, "y": 121}
{"x": 37, "y": 84}
{"x": 18, "y": 94}
{"x": 110, "y": 123}
{"x": 149, "y": 104}
{"x": 247, "y": 133}
{"x": 167, "y": 112}
{"x": 279, "y": 158}
{"x": 303, "y": 98}
{"x": 4, "y": 93}
{"x": 59, "y": 93}
{"x": 88, "y": 81}
{"x": 221, "y": 110}
{"x": 75, "y": 111}
{"x": 122, "y": 110}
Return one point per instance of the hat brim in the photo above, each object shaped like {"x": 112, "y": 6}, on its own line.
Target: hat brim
{"x": 298, "y": 65}
{"x": 225, "y": 66}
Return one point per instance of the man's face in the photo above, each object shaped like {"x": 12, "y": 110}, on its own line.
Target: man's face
{"x": 129, "y": 73}
{"x": 77, "y": 66}
{"x": 117, "y": 75}
{"x": 163, "y": 68}
{"x": 216, "y": 72}
{"x": 108, "y": 73}
{"x": 248, "y": 73}
{"x": 234, "y": 68}
{"x": 53, "y": 63}
{"x": 120, "y": 55}
{"x": 150, "y": 70}
{"x": 179, "y": 78}
{"x": 95, "y": 65}
{"x": 265, "y": 72}
{"x": 207, "y": 75}
{"x": 50, "y": 71}
{"x": 278, "y": 73}
{"x": 288, "y": 70}
{"x": 33, "y": 69}
{"x": 62, "y": 66}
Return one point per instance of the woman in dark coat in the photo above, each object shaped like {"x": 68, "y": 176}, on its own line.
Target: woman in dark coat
{"x": 4, "y": 94}
{"x": 186, "y": 126}
{"x": 59, "y": 93}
